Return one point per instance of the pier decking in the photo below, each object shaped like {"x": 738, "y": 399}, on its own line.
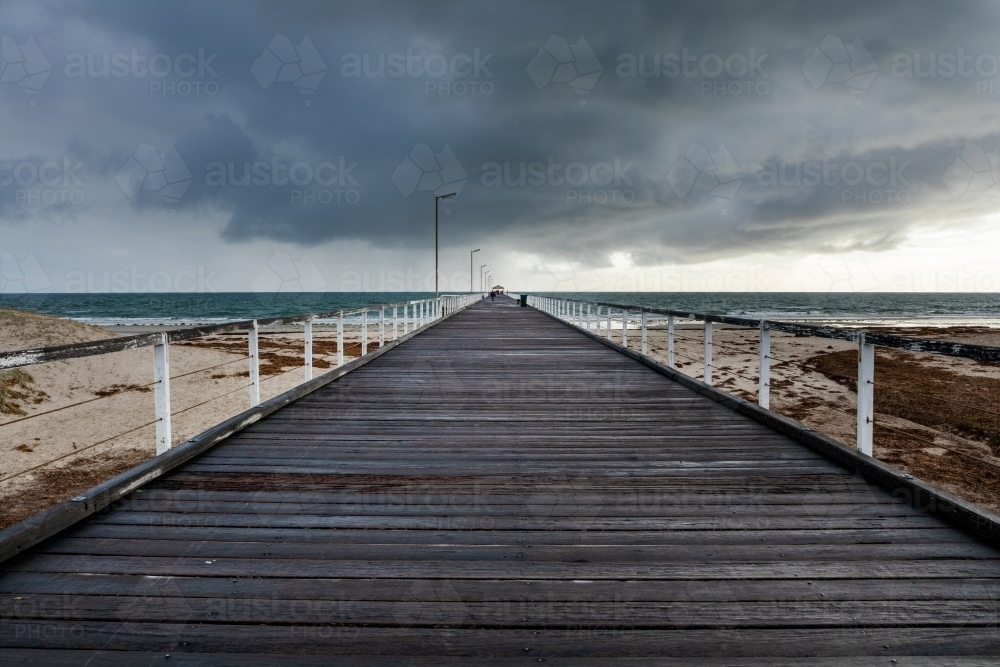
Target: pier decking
{"x": 502, "y": 489}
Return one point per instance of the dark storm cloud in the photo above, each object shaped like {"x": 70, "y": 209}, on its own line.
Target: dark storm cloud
{"x": 697, "y": 134}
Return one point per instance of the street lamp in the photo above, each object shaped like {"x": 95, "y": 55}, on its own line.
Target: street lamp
{"x": 437, "y": 198}
{"x": 481, "y": 280}
{"x": 470, "y": 270}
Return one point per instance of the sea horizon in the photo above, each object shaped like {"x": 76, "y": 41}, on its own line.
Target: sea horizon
{"x": 856, "y": 308}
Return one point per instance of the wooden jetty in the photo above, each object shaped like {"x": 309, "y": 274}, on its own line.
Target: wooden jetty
{"x": 503, "y": 489}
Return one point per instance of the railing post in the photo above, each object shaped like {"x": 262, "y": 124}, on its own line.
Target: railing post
{"x": 340, "y": 339}
{"x": 609, "y": 321}
{"x": 670, "y": 341}
{"x": 645, "y": 323}
{"x": 625, "y": 328}
{"x": 590, "y": 318}
{"x": 381, "y": 326}
{"x": 764, "y": 368}
{"x": 866, "y": 395}
{"x": 422, "y": 306}
{"x": 308, "y": 334}
{"x": 708, "y": 353}
{"x": 254, "y": 366}
{"x": 364, "y": 332}
{"x": 161, "y": 394}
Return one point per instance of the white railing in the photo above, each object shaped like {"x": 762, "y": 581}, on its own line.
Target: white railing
{"x": 408, "y": 316}
{"x": 589, "y": 315}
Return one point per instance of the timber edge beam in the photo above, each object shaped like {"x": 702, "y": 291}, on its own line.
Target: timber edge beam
{"x": 26, "y": 534}
{"x": 904, "y": 487}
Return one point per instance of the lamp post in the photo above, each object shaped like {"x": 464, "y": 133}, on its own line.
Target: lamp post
{"x": 470, "y": 270}
{"x": 481, "y": 281}
{"x": 437, "y": 198}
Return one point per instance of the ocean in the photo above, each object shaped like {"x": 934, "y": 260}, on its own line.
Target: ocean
{"x": 898, "y": 308}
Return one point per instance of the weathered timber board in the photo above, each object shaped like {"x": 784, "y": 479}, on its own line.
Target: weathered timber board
{"x": 503, "y": 489}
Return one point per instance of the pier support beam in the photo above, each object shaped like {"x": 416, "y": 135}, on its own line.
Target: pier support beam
{"x": 364, "y": 332}
{"x": 161, "y": 393}
{"x": 308, "y": 332}
{"x": 340, "y": 339}
{"x": 670, "y": 341}
{"x": 708, "y": 353}
{"x": 764, "y": 368}
{"x": 866, "y": 395}
{"x": 645, "y": 325}
{"x": 254, "y": 366}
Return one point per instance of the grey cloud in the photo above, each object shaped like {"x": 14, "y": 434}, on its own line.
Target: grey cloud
{"x": 648, "y": 121}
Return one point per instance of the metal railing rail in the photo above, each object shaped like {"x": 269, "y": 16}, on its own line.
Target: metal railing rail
{"x": 588, "y": 315}
{"x": 416, "y": 314}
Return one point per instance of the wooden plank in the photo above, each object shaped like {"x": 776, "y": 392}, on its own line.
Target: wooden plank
{"x": 413, "y": 639}
{"x": 521, "y": 569}
{"x": 21, "y": 536}
{"x": 204, "y": 534}
{"x": 507, "y": 477}
{"x": 304, "y": 588}
{"x": 98, "y": 658}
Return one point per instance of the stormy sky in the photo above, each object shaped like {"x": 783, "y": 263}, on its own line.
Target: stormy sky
{"x": 237, "y": 146}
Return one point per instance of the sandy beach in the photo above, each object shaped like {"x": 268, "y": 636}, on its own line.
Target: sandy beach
{"x": 98, "y": 411}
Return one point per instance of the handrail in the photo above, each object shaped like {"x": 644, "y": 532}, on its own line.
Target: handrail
{"x": 40, "y": 355}
{"x": 909, "y": 343}
{"x": 424, "y": 313}
{"x": 572, "y": 312}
